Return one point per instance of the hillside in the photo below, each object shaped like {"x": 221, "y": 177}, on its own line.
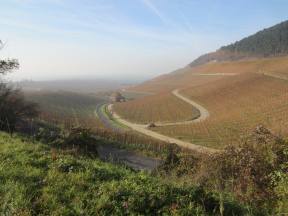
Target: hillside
{"x": 236, "y": 105}
{"x": 239, "y": 95}
{"x": 269, "y": 42}
{"x": 67, "y": 108}
{"x": 208, "y": 73}
{"x": 38, "y": 180}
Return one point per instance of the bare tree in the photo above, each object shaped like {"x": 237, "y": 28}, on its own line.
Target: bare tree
{"x": 13, "y": 106}
{"x": 7, "y": 65}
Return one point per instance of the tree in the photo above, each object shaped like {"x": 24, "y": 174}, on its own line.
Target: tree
{"x": 13, "y": 106}
{"x": 7, "y": 65}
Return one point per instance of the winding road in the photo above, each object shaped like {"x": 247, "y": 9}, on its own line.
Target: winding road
{"x": 204, "y": 114}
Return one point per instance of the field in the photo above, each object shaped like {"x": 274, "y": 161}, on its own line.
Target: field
{"x": 67, "y": 108}
{"x": 237, "y": 104}
{"x": 38, "y": 180}
{"x": 156, "y": 108}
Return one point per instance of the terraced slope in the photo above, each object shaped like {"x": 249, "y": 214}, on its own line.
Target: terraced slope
{"x": 236, "y": 104}
{"x": 193, "y": 76}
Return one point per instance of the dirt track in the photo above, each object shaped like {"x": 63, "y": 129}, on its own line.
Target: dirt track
{"x": 204, "y": 114}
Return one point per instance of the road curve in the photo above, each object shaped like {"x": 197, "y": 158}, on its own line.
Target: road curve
{"x": 204, "y": 114}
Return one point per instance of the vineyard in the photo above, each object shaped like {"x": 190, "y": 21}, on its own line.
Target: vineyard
{"x": 70, "y": 109}
{"x": 255, "y": 94}
{"x": 67, "y": 108}
{"x": 236, "y": 104}
{"x": 157, "y": 108}
{"x": 189, "y": 76}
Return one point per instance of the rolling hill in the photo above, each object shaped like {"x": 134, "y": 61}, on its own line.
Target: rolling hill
{"x": 244, "y": 88}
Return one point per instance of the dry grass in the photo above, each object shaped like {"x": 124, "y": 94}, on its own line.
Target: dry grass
{"x": 156, "y": 108}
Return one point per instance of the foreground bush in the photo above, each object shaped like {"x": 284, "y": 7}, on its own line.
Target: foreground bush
{"x": 36, "y": 181}
{"x": 256, "y": 171}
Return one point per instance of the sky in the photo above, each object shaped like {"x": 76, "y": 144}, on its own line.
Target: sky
{"x": 123, "y": 39}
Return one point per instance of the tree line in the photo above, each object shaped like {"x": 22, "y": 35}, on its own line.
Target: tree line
{"x": 268, "y": 42}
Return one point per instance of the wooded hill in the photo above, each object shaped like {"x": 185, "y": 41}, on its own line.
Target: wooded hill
{"x": 269, "y": 42}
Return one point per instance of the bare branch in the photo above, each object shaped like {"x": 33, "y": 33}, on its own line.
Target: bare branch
{"x": 8, "y": 65}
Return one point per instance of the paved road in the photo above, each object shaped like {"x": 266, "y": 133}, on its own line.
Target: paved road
{"x": 106, "y": 120}
{"x": 129, "y": 158}
{"x": 117, "y": 155}
{"x": 204, "y": 114}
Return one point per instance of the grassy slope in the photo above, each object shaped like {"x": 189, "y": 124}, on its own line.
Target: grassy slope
{"x": 36, "y": 180}
{"x": 156, "y": 108}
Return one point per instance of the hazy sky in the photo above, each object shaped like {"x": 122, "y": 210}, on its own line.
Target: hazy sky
{"x": 61, "y": 39}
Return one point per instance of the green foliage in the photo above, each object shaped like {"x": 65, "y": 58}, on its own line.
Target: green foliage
{"x": 81, "y": 138}
{"x": 77, "y": 139}
{"x": 36, "y": 182}
{"x": 172, "y": 160}
{"x": 49, "y": 134}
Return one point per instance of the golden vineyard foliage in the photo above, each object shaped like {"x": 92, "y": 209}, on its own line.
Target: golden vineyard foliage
{"x": 157, "y": 108}
{"x": 236, "y": 104}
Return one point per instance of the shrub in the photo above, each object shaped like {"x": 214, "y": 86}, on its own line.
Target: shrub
{"x": 49, "y": 134}
{"x": 81, "y": 138}
{"x": 255, "y": 171}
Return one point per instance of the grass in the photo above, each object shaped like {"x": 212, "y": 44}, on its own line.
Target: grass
{"x": 105, "y": 111}
{"x": 156, "y": 108}
{"x": 37, "y": 180}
